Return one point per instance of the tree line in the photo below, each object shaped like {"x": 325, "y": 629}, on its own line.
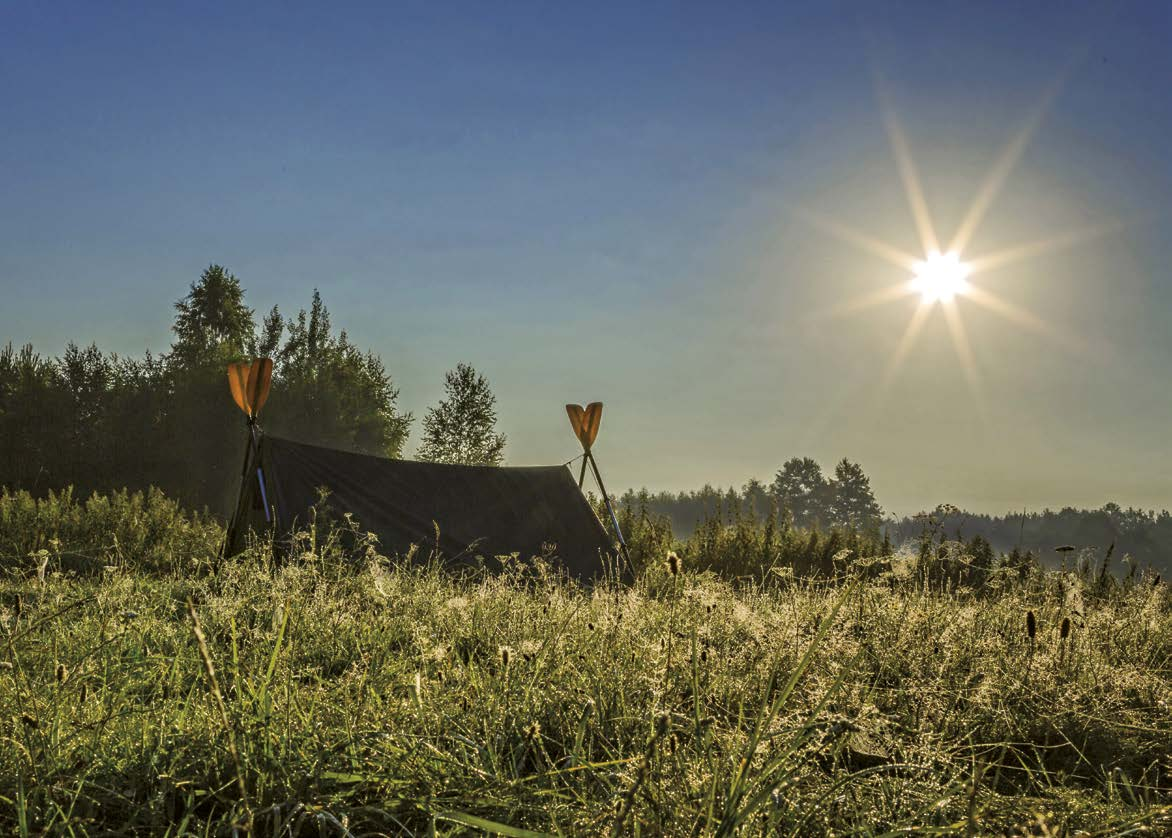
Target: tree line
{"x": 98, "y": 421}
{"x": 799, "y": 496}
{"x": 1111, "y": 533}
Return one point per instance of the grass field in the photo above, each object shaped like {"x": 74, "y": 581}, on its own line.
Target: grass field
{"x": 144, "y": 690}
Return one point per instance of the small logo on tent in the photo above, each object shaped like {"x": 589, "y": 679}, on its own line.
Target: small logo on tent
{"x": 250, "y": 384}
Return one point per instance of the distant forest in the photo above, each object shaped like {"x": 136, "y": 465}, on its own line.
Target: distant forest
{"x": 800, "y": 496}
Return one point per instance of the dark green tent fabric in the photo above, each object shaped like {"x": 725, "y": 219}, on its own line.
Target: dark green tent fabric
{"x": 480, "y": 510}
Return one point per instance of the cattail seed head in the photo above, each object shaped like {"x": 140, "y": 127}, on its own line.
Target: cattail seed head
{"x": 1064, "y": 632}
{"x": 19, "y": 606}
{"x": 83, "y": 694}
{"x": 1031, "y": 624}
{"x": 673, "y": 563}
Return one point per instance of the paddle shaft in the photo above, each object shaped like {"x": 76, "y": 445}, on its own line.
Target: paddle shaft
{"x": 609, "y": 507}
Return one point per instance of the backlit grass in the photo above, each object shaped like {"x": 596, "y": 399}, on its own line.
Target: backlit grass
{"x": 340, "y": 692}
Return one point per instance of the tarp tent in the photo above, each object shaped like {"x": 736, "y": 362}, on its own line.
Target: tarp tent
{"x": 479, "y": 510}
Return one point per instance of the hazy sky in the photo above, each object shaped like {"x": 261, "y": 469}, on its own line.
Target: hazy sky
{"x": 613, "y": 203}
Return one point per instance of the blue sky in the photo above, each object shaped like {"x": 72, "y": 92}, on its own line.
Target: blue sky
{"x": 606, "y": 202}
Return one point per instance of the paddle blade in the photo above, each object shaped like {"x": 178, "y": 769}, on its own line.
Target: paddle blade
{"x": 238, "y": 375}
{"x": 585, "y": 422}
{"x": 591, "y": 421}
{"x": 575, "y": 412}
{"x": 260, "y": 376}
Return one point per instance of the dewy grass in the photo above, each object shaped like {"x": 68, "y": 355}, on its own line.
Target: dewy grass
{"x": 341, "y": 692}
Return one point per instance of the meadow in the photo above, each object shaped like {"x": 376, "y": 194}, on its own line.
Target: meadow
{"x": 149, "y": 688}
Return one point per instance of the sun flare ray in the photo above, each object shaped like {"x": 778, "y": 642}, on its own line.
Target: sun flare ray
{"x": 912, "y": 186}
{"x": 906, "y": 341}
{"x": 968, "y": 361}
{"x": 991, "y": 186}
{"x": 849, "y": 235}
{"x": 864, "y": 302}
{"x": 1016, "y": 253}
{"x": 1022, "y": 317}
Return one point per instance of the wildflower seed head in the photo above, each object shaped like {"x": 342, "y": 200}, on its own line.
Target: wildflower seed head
{"x": 1031, "y": 624}
{"x": 505, "y": 655}
{"x": 533, "y": 730}
{"x": 1064, "y": 632}
{"x": 62, "y": 673}
{"x": 673, "y": 563}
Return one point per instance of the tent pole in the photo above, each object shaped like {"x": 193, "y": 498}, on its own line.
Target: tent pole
{"x": 609, "y": 506}
{"x": 582, "y": 474}
{"x": 248, "y": 452}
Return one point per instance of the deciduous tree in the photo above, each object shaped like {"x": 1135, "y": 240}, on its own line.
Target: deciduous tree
{"x": 801, "y": 489}
{"x": 462, "y": 427}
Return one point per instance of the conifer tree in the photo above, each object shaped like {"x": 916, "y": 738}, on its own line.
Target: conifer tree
{"x": 801, "y": 490}
{"x": 852, "y": 503}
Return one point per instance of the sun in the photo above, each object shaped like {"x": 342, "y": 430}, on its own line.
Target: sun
{"x": 940, "y": 277}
